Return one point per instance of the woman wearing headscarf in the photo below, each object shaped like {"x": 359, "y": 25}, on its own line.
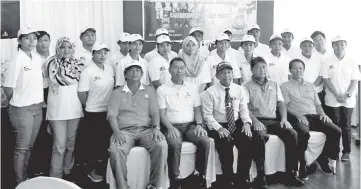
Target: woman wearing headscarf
{"x": 197, "y": 69}
{"x": 64, "y": 108}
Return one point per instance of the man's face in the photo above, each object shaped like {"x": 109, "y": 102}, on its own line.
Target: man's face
{"x": 225, "y": 76}
{"x": 307, "y": 48}
{"x": 276, "y": 45}
{"x": 319, "y": 41}
{"x": 256, "y": 33}
{"x": 88, "y": 37}
{"x": 198, "y": 35}
{"x": 134, "y": 73}
{"x": 259, "y": 70}
{"x": 297, "y": 70}
{"x": 287, "y": 39}
{"x": 222, "y": 45}
{"x": 339, "y": 46}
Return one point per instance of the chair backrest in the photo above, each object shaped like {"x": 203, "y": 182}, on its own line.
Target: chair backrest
{"x": 47, "y": 183}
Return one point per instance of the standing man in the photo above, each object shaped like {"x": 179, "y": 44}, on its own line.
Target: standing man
{"x": 87, "y": 37}
{"x": 180, "y": 113}
{"x": 305, "y": 113}
{"x": 319, "y": 38}
{"x": 260, "y": 48}
{"x": 123, "y": 43}
{"x": 133, "y": 114}
{"x": 341, "y": 74}
{"x": 225, "y": 110}
{"x": 289, "y": 49}
{"x": 265, "y": 98}
{"x": 159, "y": 32}
{"x": 159, "y": 65}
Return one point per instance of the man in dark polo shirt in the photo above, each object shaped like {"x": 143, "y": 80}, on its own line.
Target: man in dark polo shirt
{"x": 133, "y": 114}
{"x": 305, "y": 114}
{"x": 264, "y": 98}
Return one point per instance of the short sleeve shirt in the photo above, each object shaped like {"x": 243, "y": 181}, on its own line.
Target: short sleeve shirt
{"x": 119, "y": 71}
{"x": 278, "y": 67}
{"x": 313, "y": 67}
{"x": 214, "y": 59}
{"x": 158, "y": 68}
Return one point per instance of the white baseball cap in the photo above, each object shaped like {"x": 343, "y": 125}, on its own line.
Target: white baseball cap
{"x": 248, "y": 38}
{"x": 286, "y": 30}
{"x": 124, "y": 37}
{"x": 133, "y": 63}
{"x": 135, "y": 37}
{"x": 254, "y": 26}
{"x": 227, "y": 29}
{"x": 306, "y": 39}
{"x": 338, "y": 38}
{"x": 85, "y": 28}
{"x": 163, "y": 38}
{"x": 222, "y": 36}
{"x": 99, "y": 46}
{"x": 194, "y": 29}
{"x": 275, "y": 36}
{"x": 161, "y": 31}
{"x": 26, "y": 30}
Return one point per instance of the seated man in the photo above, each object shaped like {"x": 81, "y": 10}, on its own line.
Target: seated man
{"x": 305, "y": 113}
{"x": 180, "y": 113}
{"x": 225, "y": 110}
{"x": 133, "y": 114}
{"x": 264, "y": 98}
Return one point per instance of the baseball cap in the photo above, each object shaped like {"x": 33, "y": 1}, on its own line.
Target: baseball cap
{"x": 196, "y": 29}
{"x": 275, "y": 36}
{"x": 163, "y": 38}
{"x": 338, "y": 38}
{"x": 85, "y": 28}
{"x": 26, "y": 30}
{"x": 99, "y": 46}
{"x": 248, "y": 38}
{"x": 254, "y": 26}
{"x": 161, "y": 31}
{"x": 124, "y": 37}
{"x": 135, "y": 37}
{"x": 286, "y": 30}
{"x": 227, "y": 29}
{"x": 222, "y": 36}
{"x": 306, "y": 39}
{"x": 223, "y": 65}
{"x": 133, "y": 63}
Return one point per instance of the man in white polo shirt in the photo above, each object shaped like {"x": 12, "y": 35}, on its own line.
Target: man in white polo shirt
{"x": 123, "y": 43}
{"x": 319, "y": 38}
{"x": 277, "y": 61}
{"x": 159, "y": 32}
{"x": 341, "y": 74}
{"x": 260, "y": 49}
{"x": 180, "y": 113}
{"x": 158, "y": 66}
{"x": 223, "y": 54}
{"x": 232, "y": 51}
{"x": 88, "y": 38}
{"x": 244, "y": 60}
{"x": 288, "y": 49}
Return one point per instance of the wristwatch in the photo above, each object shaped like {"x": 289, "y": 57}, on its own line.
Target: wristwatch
{"x": 348, "y": 95}
{"x": 156, "y": 127}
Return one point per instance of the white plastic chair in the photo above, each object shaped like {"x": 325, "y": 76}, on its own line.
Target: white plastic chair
{"x": 47, "y": 183}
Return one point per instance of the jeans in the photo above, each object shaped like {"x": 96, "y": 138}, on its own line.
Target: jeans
{"x": 64, "y": 134}
{"x": 26, "y": 122}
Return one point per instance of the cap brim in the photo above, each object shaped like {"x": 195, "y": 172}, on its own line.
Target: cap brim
{"x": 224, "y": 67}
{"x": 201, "y": 31}
{"x": 127, "y": 68}
{"x": 29, "y": 32}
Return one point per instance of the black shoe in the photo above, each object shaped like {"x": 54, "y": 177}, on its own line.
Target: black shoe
{"x": 325, "y": 168}
{"x": 311, "y": 168}
{"x": 202, "y": 182}
{"x": 302, "y": 174}
{"x": 292, "y": 181}
{"x": 260, "y": 183}
{"x": 175, "y": 184}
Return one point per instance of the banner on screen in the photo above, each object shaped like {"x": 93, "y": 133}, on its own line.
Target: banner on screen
{"x": 179, "y": 16}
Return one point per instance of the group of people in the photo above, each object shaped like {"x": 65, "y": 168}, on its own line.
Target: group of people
{"x": 102, "y": 106}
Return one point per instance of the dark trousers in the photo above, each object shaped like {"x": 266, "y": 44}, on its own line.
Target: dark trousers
{"x": 7, "y": 148}
{"x": 289, "y": 138}
{"x": 332, "y": 132}
{"x": 248, "y": 148}
{"x": 321, "y": 96}
{"x": 342, "y": 116}
{"x": 98, "y": 132}
{"x": 175, "y": 148}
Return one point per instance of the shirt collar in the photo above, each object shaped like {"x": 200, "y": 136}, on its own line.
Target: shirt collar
{"x": 23, "y": 55}
{"x": 258, "y": 82}
{"x": 296, "y": 82}
{"x": 223, "y": 87}
{"x": 127, "y": 90}
{"x": 173, "y": 85}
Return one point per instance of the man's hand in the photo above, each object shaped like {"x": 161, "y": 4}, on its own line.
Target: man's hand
{"x": 258, "y": 126}
{"x": 302, "y": 119}
{"x": 157, "y": 135}
{"x": 173, "y": 132}
{"x": 247, "y": 129}
{"x": 341, "y": 98}
{"x": 325, "y": 118}
{"x": 200, "y": 131}
{"x": 119, "y": 138}
{"x": 285, "y": 124}
{"x": 223, "y": 132}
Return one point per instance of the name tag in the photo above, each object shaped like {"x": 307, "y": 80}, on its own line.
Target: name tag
{"x": 146, "y": 96}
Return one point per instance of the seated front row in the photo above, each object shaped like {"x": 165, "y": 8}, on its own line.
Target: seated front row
{"x": 135, "y": 118}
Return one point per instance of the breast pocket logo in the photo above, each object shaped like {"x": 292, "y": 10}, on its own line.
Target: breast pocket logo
{"x": 27, "y": 68}
{"x": 272, "y": 64}
{"x": 96, "y": 78}
{"x": 331, "y": 67}
{"x": 187, "y": 95}
{"x": 162, "y": 68}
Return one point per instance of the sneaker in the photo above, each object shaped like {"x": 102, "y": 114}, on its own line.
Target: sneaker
{"x": 95, "y": 177}
{"x": 325, "y": 168}
{"x": 345, "y": 157}
{"x": 302, "y": 174}
{"x": 293, "y": 181}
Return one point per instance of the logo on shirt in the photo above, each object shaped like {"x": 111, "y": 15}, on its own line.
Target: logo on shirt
{"x": 146, "y": 96}
{"x": 96, "y": 78}
{"x": 187, "y": 95}
{"x": 162, "y": 68}
{"x": 26, "y": 68}
{"x": 332, "y": 66}
{"x": 272, "y": 64}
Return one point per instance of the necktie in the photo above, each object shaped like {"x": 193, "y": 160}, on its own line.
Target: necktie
{"x": 229, "y": 112}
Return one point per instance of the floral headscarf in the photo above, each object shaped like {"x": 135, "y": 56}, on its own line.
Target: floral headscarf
{"x": 194, "y": 63}
{"x": 63, "y": 71}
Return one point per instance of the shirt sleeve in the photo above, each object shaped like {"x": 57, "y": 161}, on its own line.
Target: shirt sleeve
{"x": 285, "y": 95}
{"x": 119, "y": 73}
{"x": 243, "y": 106}
{"x": 236, "y": 69}
{"x": 324, "y": 70}
{"x": 317, "y": 99}
{"x": 279, "y": 94}
{"x": 114, "y": 102}
{"x": 207, "y": 109}
{"x": 12, "y": 73}
{"x": 356, "y": 74}
{"x": 84, "y": 81}
{"x": 153, "y": 70}
{"x": 153, "y": 102}
{"x": 197, "y": 98}
{"x": 145, "y": 78}
{"x": 161, "y": 98}
{"x": 205, "y": 75}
